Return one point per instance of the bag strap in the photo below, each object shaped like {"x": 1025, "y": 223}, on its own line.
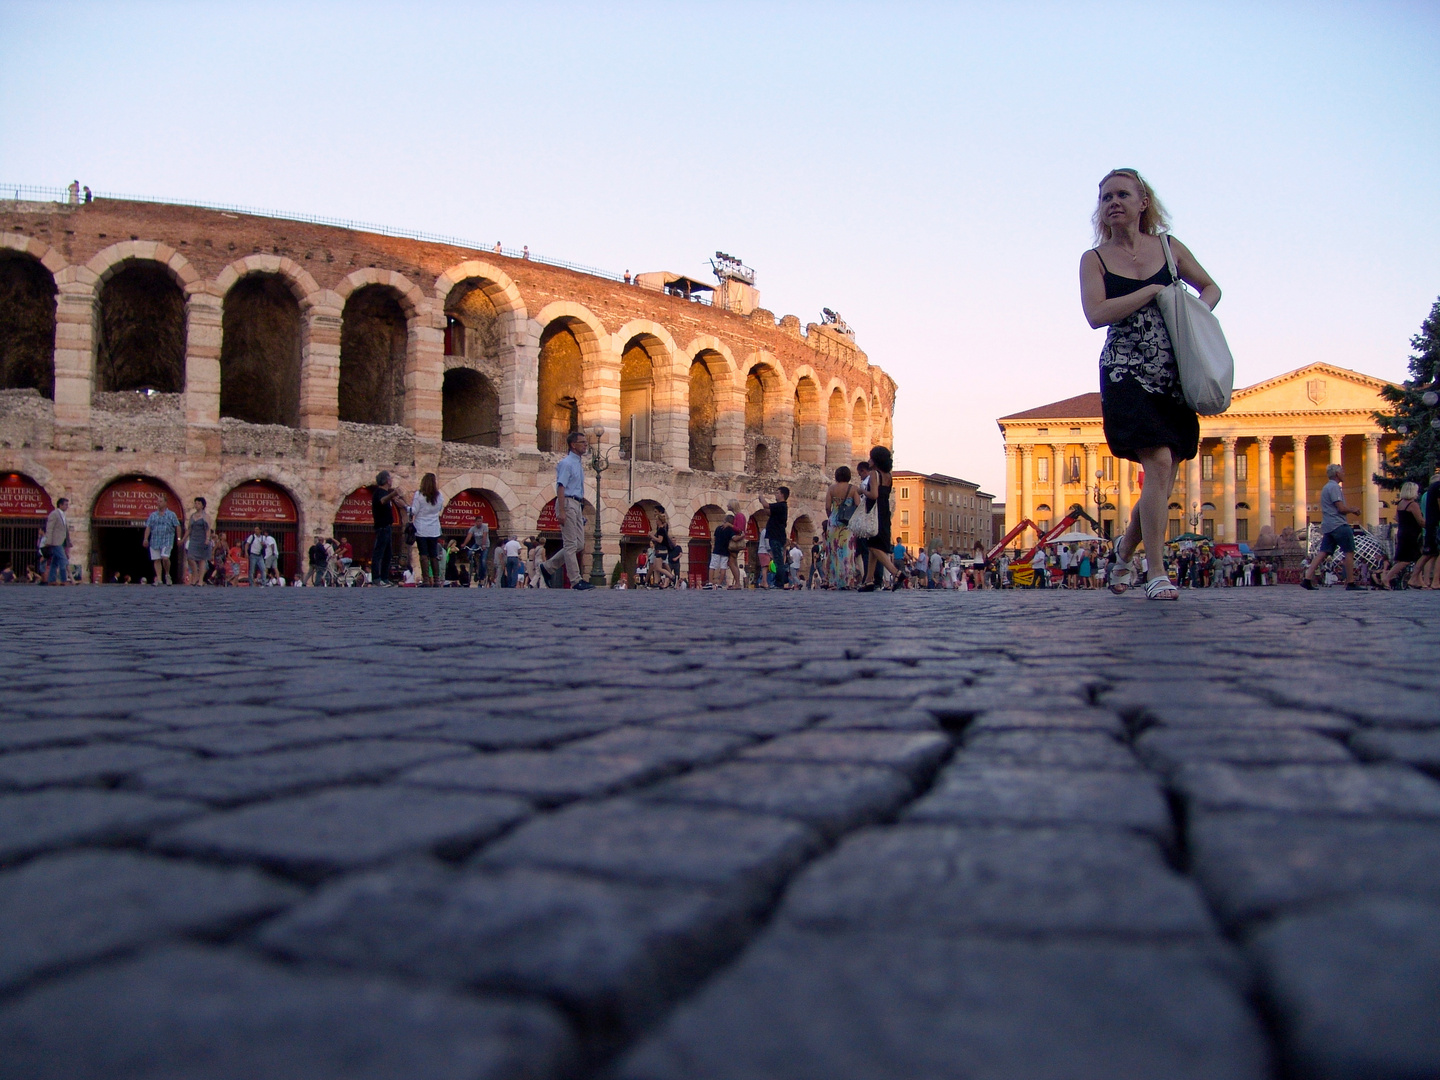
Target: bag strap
{"x": 1169, "y": 258}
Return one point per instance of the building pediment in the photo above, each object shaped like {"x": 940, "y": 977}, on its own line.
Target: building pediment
{"x": 1313, "y": 388}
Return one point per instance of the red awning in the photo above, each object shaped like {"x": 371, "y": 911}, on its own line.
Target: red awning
{"x": 259, "y": 503}
{"x": 21, "y": 497}
{"x": 699, "y": 526}
{"x": 462, "y": 510}
{"x": 132, "y": 501}
{"x": 635, "y": 522}
{"x": 548, "y": 522}
{"x": 355, "y": 510}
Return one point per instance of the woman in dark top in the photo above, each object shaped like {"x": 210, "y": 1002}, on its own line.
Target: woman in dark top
{"x": 1145, "y": 416}
{"x": 1409, "y": 526}
{"x": 877, "y": 494}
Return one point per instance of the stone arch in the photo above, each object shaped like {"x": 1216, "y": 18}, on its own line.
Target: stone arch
{"x": 141, "y": 325}
{"x": 409, "y": 295}
{"x": 261, "y": 348}
{"x": 28, "y": 294}
{"x": 571, "y": 347}
{"x": 501, "y": 495}
{"x": 837, "y": 429}
{"x": 234, "y": 527}
{"x": 704, "y": 411}
{"x": 296, "y": 278}
{"x": 765, "y": 417}
{"x": 717, "y": 423}
{"x": 374, "y": 348}
{"x": 669, "y": 389}
{"x": 644, "y": 368}
{"x": 469, "y": 408}
{"x": 808, "y": 436}
{"x": 860, "y": 428}
{"x": 496, "y": 323}
{"x": 116, "y": 529}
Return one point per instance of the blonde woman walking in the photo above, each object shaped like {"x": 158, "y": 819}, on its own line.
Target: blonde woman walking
{"x": 1145, "y": 415}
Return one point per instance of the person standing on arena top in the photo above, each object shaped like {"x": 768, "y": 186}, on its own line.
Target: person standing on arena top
{"x": 161, "y": 528}
{"x": 1335, "y": 531}
{"x": 1145, "y": 416}
{"x": 570, "y": 512}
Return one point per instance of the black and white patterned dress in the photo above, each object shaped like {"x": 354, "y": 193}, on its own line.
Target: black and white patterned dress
{"x": 1140, "y": 397}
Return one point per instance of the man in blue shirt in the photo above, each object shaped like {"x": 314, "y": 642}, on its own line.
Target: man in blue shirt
{"x": 1335, "y": 531}
{"x": 570, "y": 512}
{"x": 161, "y": 528}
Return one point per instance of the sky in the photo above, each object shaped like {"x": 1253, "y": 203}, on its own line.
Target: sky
{"x": 927, "y": 170}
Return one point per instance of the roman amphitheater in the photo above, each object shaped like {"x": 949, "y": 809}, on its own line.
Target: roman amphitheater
{"x": 274, "y": 365}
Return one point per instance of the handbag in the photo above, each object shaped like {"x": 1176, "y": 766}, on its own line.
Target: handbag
{"x": 865, "y": 521}
{"x": 1207, "y": 370}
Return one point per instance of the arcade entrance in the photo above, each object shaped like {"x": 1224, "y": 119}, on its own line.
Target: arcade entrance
{"x": 256, "y": 503}
{"x": 24, "y": 506}
{"x": 117, "y": 529}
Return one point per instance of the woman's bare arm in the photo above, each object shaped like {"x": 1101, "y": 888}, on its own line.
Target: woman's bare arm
{"x": 1192, "y": 273}
{"x": 1100, "y": 311}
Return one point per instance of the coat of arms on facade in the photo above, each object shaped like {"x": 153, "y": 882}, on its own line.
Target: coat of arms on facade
{"x": 1315, "y": 391}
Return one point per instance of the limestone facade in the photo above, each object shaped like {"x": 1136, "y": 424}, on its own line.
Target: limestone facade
{"x": 934, "y": 510}
{"x": 1261, "y": 463}
{"x": 310, "y": 357}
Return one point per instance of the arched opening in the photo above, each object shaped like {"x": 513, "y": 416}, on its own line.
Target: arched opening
{"x": 702, "y": 539}
{"x": 260, "y": 352}
{"x": 1042, "y": 516}
{"x": 761, "y": 385}
{"x": 802, "y": 532}
{"x": 559, "y": 388}
{"x": 141, "y": 342}
{"x": 373, "y": 335}
{"x": 469, "y": 409}
{"x": 860, "y": 431}
{"x": 27, "y": 325}
{"x": 637, "y": 397}
{"x": 635, "y": 529}
{"x": 704, "y": 411}
{"x": 355, "y": 525}
{"x": 256, "y": 504}
{"x": 809, "y": 437}
{"x": 24, "y": 505}
{"x": 117, "y": 529}
{"x": 837, "y": 447}
{"x": 462, "y": 511}
{"x": 473, "y": 327}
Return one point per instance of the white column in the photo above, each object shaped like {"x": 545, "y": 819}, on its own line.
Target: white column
{"x": 1057, "y": 480}
{"x": 1228, "y": 510}
{"x": 1266, "y": 515}
{"x": 1302, "y": 496}
{"x": 1012, "y": 490}
{"x": 1337, "y": 450}
{"x": 1371, "y": 502}
{"x": 1027, "y": 483}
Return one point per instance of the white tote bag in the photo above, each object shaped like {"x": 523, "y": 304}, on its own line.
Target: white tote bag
{"x": 1207, "y": 370}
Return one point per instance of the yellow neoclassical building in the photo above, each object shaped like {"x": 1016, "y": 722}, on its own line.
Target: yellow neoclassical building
{"x": 1261, "y": 463}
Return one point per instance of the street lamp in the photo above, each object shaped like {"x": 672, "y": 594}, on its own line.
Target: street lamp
{"x": 599, "y": 462}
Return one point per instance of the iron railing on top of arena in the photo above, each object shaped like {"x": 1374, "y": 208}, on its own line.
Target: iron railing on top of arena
{"x": 64, "y": 196}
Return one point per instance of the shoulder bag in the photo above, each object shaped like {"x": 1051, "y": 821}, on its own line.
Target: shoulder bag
{"x": 865, "y": 521}
{"x": 1207, "y": 370}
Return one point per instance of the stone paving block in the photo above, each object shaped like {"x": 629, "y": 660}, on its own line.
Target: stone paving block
{"x": 506, "y": 733}
{"x": 1356, "y": 988}
{"x": 1253, "y": 864}
{"x": 345, "y": 827}
{"x": 546, "y": 777}
{"x": 41, "y": 820}
{"x": 1047, "y": 749}
{"x": 1396, "y": 706}
{"x": 1002, "y": 718}
{"x": 662, "y": 747}
{"x": 228, "y": 740}
{"x": 832, "y": 798}
{"x": 29, "y": 734}
{"x": 946, "y": 881}
{"x": 203, "y": 1014}
{"x": 616, "y": 954}
{"x": 1418, "y": 748}
{"x": 973, "y": 794}
{"x": 1181, "y": 714}
{"x": 917, "y": 755}
{"x": 104, "y": 761}
{"x": 776, "y": 717}
{"x": 889, "y": 720}
{"x": 1167, "y": 749}
{"x": 239, "y": 779}
{"x": 889, "y": 1007}
{"x": 662, "y": 844}
{"x": 185, "y": 716}
{"x": 78, "y": 905}
{"x": 1385, "y": 790}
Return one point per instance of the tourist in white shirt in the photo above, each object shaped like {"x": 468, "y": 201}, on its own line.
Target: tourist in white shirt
{"x": 512, "y": 563}
{"x": 425, "y": 510}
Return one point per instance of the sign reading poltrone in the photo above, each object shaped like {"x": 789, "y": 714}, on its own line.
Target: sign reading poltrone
{"x": 132, "y": 501}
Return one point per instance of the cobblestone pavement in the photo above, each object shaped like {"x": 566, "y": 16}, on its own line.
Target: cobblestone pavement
{"x": 363, "y": 834}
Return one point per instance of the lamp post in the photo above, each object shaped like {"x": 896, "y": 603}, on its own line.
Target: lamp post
{"x": 1100, "y": 491}
{"x": 599, "y": 462}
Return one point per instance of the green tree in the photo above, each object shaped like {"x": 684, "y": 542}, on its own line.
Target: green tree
{"x": 1416, "y": 414}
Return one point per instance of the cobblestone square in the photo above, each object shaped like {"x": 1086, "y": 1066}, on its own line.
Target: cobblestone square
{"x": 346, "y": 834}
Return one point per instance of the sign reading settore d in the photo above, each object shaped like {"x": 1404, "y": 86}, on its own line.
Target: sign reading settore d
{"x": 464, "y": 507}
{"x": 21, "y": 497}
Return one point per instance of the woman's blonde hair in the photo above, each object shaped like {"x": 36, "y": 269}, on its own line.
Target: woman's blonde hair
{"x": 1409, "y": 490}
{"x": 1153, "y": 219}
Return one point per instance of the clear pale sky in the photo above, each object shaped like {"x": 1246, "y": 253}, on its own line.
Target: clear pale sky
{"x": 926, "y": 170}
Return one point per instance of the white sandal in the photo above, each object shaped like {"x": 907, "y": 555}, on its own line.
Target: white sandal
{"x": 1161, "y": 588}
{"x": 1122, "y": 576}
